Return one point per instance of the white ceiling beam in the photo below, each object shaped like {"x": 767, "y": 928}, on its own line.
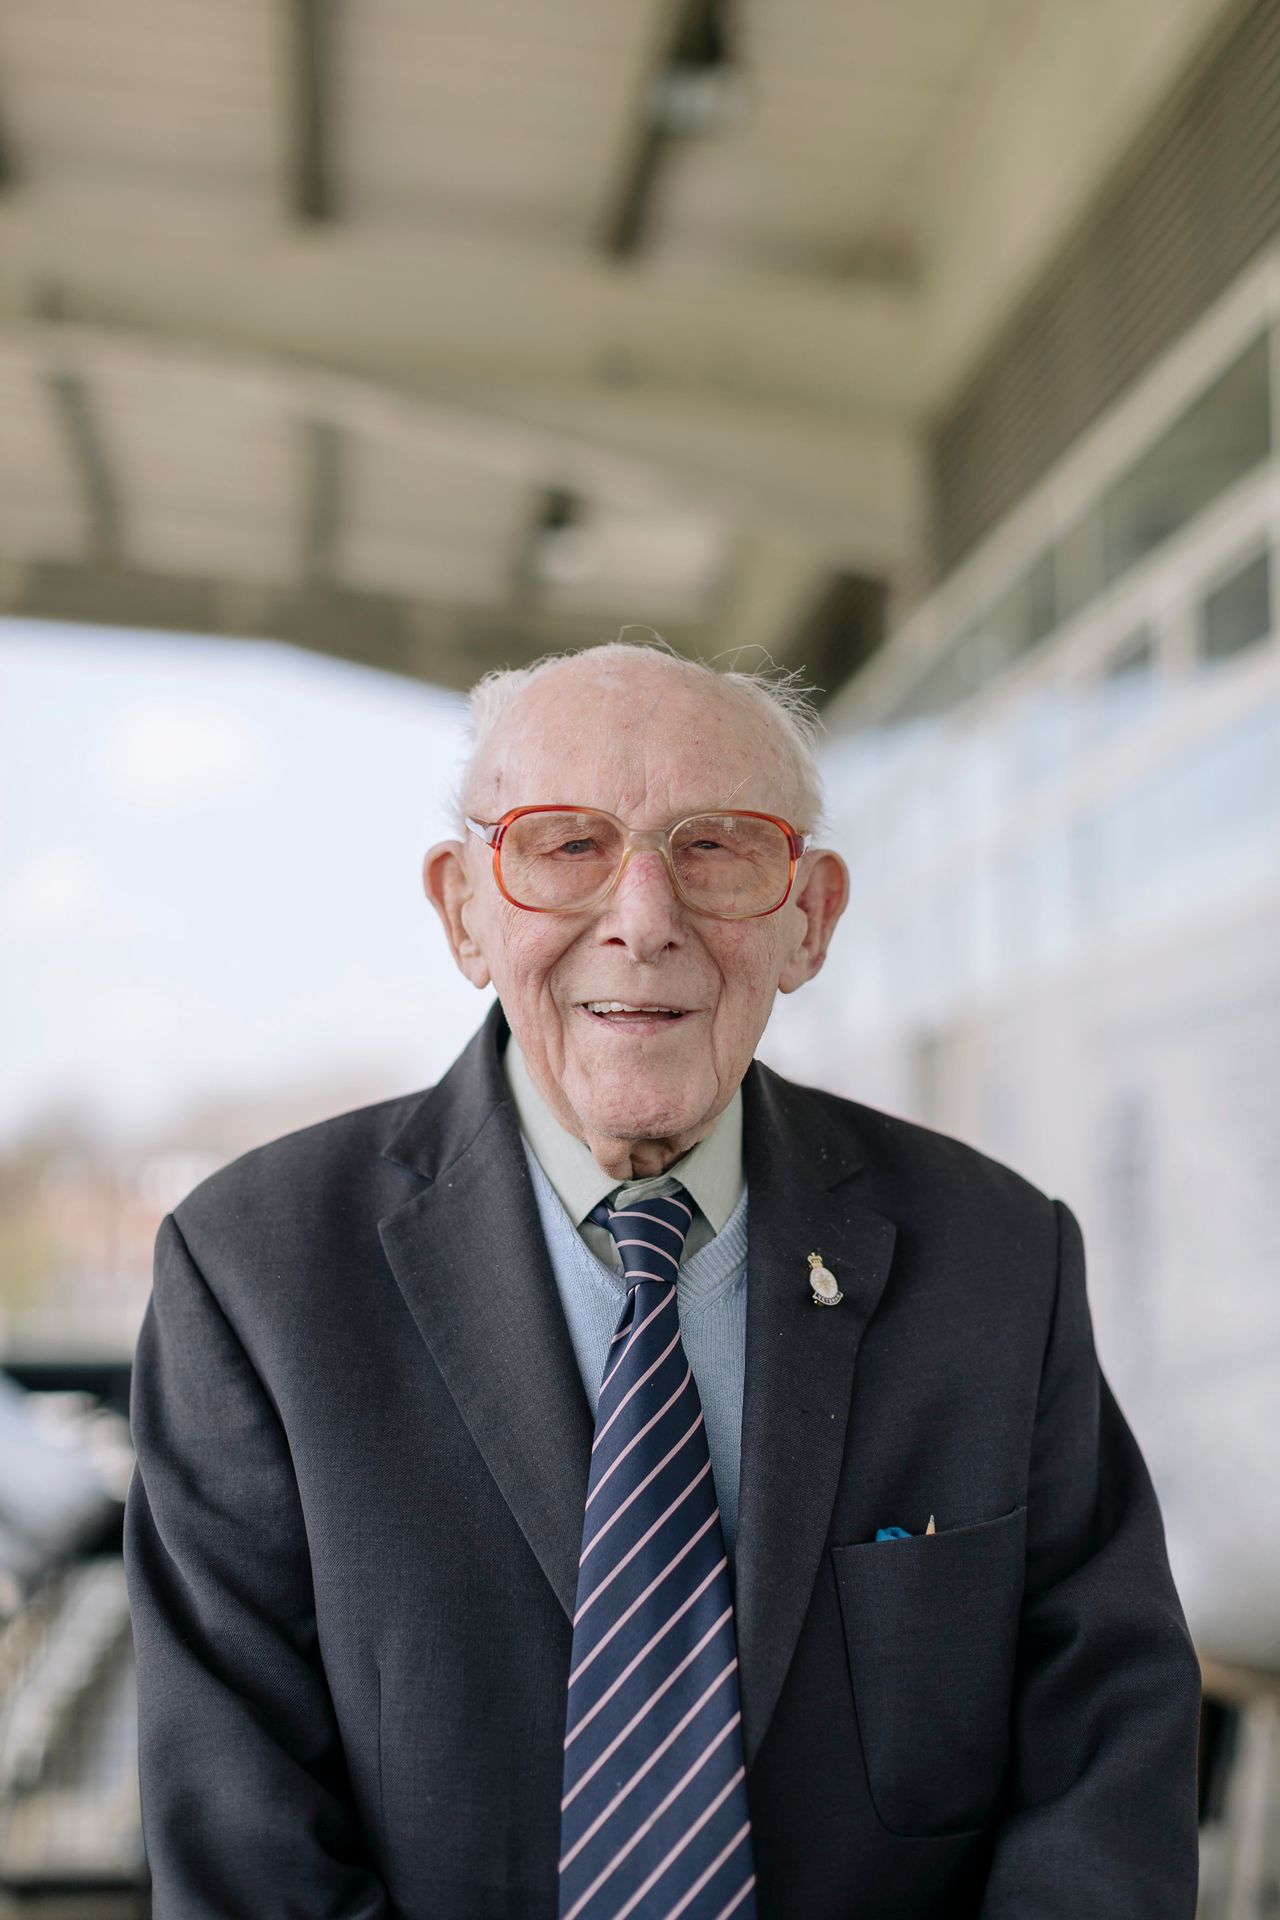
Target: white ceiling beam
{"x": 445, "y": 642}
{"x": 429, "y": 300}
{"x": 849, "y": 487}
{"x": 851, "y": 494}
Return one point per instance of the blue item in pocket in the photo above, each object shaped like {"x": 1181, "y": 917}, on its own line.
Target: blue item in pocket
{"x": 892, "y": 1533}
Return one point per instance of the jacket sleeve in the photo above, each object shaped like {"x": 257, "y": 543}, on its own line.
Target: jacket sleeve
{"x": 246, "y": 1808}
{"x": 1100, "y": 1807}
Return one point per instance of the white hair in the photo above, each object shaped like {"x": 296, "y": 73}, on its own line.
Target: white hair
{"x": 768, "y": 689}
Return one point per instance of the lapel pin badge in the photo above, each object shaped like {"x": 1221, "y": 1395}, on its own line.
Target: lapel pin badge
{"x": 822, "y": 1283}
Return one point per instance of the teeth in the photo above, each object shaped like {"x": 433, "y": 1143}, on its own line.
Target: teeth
{"x": 617, "y": 1006}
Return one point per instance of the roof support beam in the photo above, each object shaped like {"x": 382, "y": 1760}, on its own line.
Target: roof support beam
{"x": 469, "y": 311}
{"x": 446, "y": 644}
{"x": 8, "y": 165}
{"x": 322, "y": 474}
{"x": 849, "y": 489}
{"x": 311, "y": 185}
{"x": 73, "y": 407}
{"x": 681, "y": 98}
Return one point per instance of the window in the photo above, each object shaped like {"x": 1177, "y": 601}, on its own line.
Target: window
{"x": 1126, "y": 693}
{"x": 1225, "y": 433}
{"x": 1237, "y": 614}
{"x": 1021, "y": 618}
{"x": 952, "y": 678}
{"x": 1134, "y": 657}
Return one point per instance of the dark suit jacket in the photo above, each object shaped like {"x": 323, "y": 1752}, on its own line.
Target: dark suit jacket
{"x": 352, "y": 1536}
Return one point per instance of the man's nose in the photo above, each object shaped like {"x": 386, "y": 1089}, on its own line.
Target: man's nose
{"x": 643, "y": 912}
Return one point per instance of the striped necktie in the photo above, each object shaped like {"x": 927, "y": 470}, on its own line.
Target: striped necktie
{"x": 654, "y": 1819}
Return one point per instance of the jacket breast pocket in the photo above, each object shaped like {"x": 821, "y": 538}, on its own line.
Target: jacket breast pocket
{"x": 931, "y": 1628}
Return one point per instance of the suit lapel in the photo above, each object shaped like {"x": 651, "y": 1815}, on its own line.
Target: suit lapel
{"x": 799, "y": 1368}
{"x": 468, "y": 1253}
{"x": 471, "y": 1261}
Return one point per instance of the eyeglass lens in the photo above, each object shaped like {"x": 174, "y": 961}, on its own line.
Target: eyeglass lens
{"x": 725, "y": 864}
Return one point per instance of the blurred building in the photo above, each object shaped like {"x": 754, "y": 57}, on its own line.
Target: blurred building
{"x": 1059, "y": 788}
{"x": 80, "y": 1208}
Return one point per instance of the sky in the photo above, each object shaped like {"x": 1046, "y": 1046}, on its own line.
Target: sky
{"x": 210, "y": 875}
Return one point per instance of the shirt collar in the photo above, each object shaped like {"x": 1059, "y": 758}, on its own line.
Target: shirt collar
{"x": 711, "y": 1172}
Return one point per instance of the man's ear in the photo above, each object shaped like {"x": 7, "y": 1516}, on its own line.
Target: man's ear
{"x": 823, "y": 897}
{"x": 448, "y": 887}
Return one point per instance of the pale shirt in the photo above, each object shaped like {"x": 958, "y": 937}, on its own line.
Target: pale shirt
{"x": 711, "y": 1173}
{"x": 711, "y": 1287}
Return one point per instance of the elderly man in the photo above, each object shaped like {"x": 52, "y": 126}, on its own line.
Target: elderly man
{"x": 617, "y": 1481}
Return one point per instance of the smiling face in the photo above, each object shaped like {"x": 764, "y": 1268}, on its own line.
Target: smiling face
{"x": 649, "y": 741}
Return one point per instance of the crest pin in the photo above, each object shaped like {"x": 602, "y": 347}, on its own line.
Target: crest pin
{"x": 826, "y": 1292}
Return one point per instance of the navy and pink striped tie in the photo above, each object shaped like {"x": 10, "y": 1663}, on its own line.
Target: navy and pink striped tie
{"x": 654, "y": 1820}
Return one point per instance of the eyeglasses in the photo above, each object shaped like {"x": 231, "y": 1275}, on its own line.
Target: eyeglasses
{"x": 733, "y": 865}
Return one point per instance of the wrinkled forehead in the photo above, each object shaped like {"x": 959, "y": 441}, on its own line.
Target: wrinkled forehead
{"x": 647, "y": 745}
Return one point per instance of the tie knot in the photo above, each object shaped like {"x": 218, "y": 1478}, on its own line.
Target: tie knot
{"x": 649, "y": 1234}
